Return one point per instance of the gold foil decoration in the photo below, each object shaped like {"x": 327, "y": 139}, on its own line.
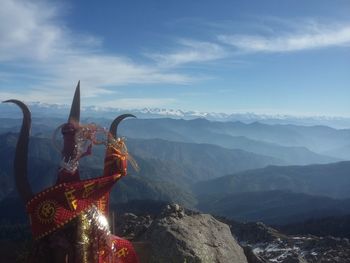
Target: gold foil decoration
{"x": 93, "y": 236}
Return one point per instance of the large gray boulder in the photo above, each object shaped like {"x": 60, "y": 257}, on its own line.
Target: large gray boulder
{"x": 179, "y": 236}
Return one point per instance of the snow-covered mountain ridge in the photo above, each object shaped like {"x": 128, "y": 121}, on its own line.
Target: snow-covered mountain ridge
{"x": 57, "y": 110}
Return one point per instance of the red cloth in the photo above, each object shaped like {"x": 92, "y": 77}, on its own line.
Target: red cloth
{"x": 58, "y": 205}
{"x": 124, "y": 251}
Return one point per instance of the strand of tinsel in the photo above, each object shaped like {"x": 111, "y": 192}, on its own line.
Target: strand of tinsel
{"x": 87, "y": 136}
{"x": 93, "y": 236}
{"x": 83, "y": 238}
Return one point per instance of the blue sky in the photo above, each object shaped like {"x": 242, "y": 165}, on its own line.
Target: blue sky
{"x": 273, "y": 57}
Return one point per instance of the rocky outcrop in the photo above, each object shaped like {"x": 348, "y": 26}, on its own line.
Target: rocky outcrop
{"x": 265, "y": 244}
{"x": 178, "y": 235}
{"x": 254, "y": 232}
{"x": 132, "y": 227}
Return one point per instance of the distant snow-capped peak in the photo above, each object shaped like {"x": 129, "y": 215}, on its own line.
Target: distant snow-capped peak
{"x": 60, "y": 110}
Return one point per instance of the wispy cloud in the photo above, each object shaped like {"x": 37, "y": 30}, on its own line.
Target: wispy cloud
{"x": 34, "y": 41}
{"x": 309, "y": 35}
{"x": 41, "y": 59}
{"x": 138, "y": 103}
{"x": 28, "y": 31}
{"x": 190, "y": 51}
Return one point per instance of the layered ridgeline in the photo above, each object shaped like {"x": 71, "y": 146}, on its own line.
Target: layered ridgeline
{"x": 167, "y": 168}
{"x": 174, "y": 172}
{"x": 332, "y": 180}
{"x": 186, "y": 162}
{"x": 283, "y": 130}
{"x": 279, "y": 194}
{"x": 289, "y": 143}
{"x": 281, "y": 144}
{"x": 296, "y": 141}
{"x": 273, "y": 207}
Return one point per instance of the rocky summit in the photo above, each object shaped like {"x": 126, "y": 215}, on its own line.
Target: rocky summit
{"x": 178, "y": 235}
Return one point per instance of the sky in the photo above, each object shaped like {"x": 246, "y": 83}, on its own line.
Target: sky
{"x": 266, "y": 57}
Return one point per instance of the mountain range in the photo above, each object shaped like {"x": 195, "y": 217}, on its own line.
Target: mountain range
{"x": 288, "y": 143}
{"x": 179, "y": 172}
{"x": 332, "y": 180}
{"x": 61, "y": 110}
{"x": 275, "y": 173}
{"x": 276, "y": 207}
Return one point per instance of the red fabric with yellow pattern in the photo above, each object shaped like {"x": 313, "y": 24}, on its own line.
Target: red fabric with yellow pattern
{"x": 51, "y": 209}
{"x": 58, "y": 205}
{"x": 124, "y": 252}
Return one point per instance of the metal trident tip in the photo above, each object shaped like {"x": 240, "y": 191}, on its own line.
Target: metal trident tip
{"x": 74, "y": 115}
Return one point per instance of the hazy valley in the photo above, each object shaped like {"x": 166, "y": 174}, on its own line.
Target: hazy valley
{"x": 274, "y": 173}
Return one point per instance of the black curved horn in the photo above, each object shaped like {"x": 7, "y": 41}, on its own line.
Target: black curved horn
{"x": 114, "y": 126}
{"x": 21, "y": 155}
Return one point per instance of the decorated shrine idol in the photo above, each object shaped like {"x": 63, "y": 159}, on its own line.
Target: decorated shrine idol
{"x": 69, "y": 219}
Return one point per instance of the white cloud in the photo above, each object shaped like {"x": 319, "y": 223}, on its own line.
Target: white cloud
{"x": 310, "y": 35}
{"x": 191, "y": 52}
{"x": 36, "y": 43}
{"x": 139, "y": 103}
{"x": 100, "y": 73}
{"x": 41, "y": 59}
{"x": 27, "y": 31}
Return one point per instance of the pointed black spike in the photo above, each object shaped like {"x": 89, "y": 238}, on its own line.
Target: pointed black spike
{"x": 114, "y": 126}
{"x": 74, "y": 115}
